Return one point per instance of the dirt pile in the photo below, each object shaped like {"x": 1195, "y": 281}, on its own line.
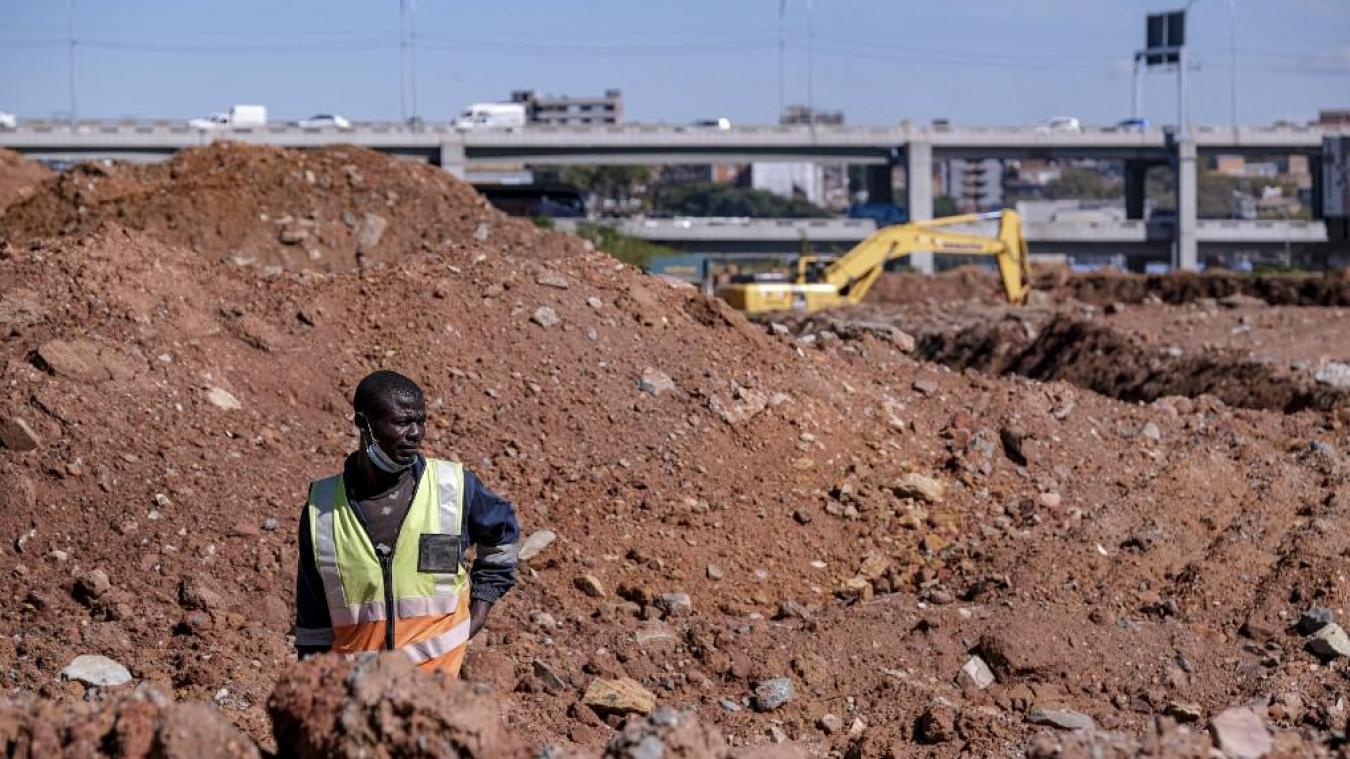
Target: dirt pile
{"x": 384, "y": 707}
{"x": 18, "y": 177}
{"x": 326, "y": 209}
{"x": 807, "y": 542}
{"x": 141, "y": 724}
{"x": 1330, "y": 289}
{"x": 970, "y": 282}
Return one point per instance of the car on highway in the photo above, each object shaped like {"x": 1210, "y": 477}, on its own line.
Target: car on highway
{"x": 8, "y": 121}
{"x": 1132, "y": 125}
{"x": 718, "y": 123}
{"x": 1060, "y": 124}
{"x": 238, "y": 117}
{"x": 324, "y": 121}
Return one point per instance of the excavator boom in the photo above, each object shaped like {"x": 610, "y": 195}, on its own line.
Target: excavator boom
{"x": 848, "y": 279}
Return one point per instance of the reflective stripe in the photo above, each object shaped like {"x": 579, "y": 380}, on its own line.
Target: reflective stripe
{"x": 314, "y": 636}
{"x": 449, "y": 483}
{"x": 506, "y": 554}
{"x": 325, "y": 542}
{"x": 422, "y": 606}
{"x": 449, "y": 493}
{"x": 439, "y": 645}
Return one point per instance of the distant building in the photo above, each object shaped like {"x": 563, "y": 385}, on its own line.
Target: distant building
{"x": 975, "y": 185}
{"x": 803, "y": 114}
{"x": 1334, "y": 117}
{"x": 564, "y": 110}
{"x": 825, "y": 185}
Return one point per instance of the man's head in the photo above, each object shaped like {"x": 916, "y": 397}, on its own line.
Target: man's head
{"x": 391, "y": 411}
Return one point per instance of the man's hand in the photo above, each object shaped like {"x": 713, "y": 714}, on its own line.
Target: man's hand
{"x": 478, "y": 614}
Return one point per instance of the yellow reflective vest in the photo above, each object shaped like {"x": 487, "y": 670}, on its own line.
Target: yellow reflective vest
{"x": 412, "y": 596}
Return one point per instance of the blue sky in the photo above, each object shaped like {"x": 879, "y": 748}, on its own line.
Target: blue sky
{"x": 973, "y": 61}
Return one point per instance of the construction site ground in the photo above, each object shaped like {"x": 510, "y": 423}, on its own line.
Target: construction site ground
{"x": 1120, "y": 505}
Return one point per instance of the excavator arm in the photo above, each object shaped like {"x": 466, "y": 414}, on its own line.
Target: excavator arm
{"x": 848, "y": 279}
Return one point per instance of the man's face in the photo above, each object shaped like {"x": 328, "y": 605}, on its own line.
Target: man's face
{"x": 398, "y": 424}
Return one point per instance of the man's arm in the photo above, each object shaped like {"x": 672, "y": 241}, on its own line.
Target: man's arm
{"x": 490, "y": 523}
{"x": 313, "y": 627}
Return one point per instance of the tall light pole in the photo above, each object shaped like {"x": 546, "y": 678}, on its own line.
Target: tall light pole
{"x": 782, "y": 48}
{"x": 811, "y": 62}
{"x": 70, "y": 37}
{"x": 403, "y": 61}
{"x": 1232, "y": 63}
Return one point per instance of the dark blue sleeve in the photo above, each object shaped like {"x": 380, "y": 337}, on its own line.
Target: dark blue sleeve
{"x": 490, "y": 523}
{"x": 313, "y": 626}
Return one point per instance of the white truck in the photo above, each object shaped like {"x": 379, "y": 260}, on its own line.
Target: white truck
{"x": 492, "y": 116}
{"x": 238, "y": 117}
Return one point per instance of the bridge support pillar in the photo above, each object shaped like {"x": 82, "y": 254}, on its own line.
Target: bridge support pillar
{"x": 1186, "y": 252}
{"x": 878, "y": 184}
{"x": 1136, "y": 193}
{"x": 452, "y": 158}
{"x": 919, "y": 194}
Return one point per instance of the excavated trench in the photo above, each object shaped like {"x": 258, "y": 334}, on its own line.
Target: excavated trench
{"x": 1097, "y": 357}
{"x": 1330, "y": 289}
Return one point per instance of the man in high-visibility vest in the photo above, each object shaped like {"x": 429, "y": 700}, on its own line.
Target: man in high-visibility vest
{"x": 383, "y": 544}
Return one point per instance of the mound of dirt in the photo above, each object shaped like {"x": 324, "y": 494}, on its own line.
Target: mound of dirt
{"x": 962, "y": 283}
{"x": 18, "y": 177}
{"x": 807, "y": 541}
{"x": 1330, "y": 289}
{"x": 141, "y": 724}
{"x": 384, "y": 707}
{"x": 327, "y": 209}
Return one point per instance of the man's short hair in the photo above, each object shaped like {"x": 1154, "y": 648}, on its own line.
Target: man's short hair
{"x": 377, "y": 388}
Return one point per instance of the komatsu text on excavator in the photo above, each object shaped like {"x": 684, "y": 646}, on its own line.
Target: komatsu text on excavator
{"x": 846, "y": 279}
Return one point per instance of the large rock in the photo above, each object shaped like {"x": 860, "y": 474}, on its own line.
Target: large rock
{"x": 369, "y": 232}
{"x": 655, "y": 382}
{"x": 1064, "y": 719}
{"x": 773, "y": 693}
{"x": 1240, "y": 734}
{"x": 621, "y": 696}
{"x": 95, "y": 670}
{"x": 1335, "y": 374}
{"x": 383, "y": 706}
{"x": 918, "y": 486}
{"x": 535, "y": 543}
{"x": 1330, "y": 642}
{"x": 88, "y": 361}
{"x": 16, "y": 435}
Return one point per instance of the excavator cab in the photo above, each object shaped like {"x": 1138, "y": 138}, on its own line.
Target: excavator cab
{"x": 820, "y": 282}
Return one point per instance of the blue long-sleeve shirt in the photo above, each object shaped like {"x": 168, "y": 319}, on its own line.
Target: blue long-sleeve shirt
{"x": 489, "y": 522}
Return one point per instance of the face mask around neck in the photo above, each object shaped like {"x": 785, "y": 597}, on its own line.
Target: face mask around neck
{"x": 382, "y": 460}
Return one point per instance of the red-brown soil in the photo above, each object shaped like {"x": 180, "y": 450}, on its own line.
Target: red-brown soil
{"x": 1102, "y": 556}
{"x": 323, "y": 210}
{"x": 18, "y": 176}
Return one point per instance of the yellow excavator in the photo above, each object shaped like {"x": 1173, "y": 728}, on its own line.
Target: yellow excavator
{"x": 818, "y": 284}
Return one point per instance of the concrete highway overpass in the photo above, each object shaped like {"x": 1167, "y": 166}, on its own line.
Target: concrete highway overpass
{"x": 1081, "y": 240}
{"x": 912, "y": 147}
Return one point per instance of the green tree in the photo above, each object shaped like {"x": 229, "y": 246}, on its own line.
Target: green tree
{"x": 945, "y": 205}
{"x": 1081, "y": 183}
{"x": 619, "y": 185}
{"x": 713, "y": 199}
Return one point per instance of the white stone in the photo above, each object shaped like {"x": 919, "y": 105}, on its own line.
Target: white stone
{"x": 100, "y": 671}
{"x": 977, "y": 673}
{"x": 223, "y": 399}
{"x": 535, "y": 543}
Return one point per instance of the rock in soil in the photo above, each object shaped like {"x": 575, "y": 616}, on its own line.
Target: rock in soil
{"x": 620, "y": 696}
{"x": 773, "y": 693}
{"x": 1240, "y": 734}
{"x": 95, "y": 670}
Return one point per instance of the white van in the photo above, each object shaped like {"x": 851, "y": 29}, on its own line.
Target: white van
{"x": 492, "y": 116}
{"x": 238, "y": 117}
